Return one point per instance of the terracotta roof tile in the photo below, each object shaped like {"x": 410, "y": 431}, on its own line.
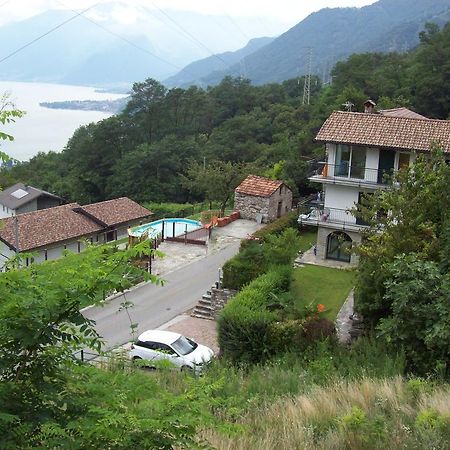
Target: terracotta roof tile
{"x": 376, "y": 130}
{"x": 117, "y": 211}
{"x": 401, "y": 112}
{"x": 47, "y": 226}
{"x": 258, "y": 186}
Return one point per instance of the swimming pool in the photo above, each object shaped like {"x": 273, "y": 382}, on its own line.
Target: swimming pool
{"x": 172, "y": 228}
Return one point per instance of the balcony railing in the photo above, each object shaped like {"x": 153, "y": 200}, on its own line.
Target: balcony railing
{"x": 354, "y": 173}
{"x": 332, "y": 216}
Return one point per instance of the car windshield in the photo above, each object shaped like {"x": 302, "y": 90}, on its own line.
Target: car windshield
{"x": 184, "y": 346}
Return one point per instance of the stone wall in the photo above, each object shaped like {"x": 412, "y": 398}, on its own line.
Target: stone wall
{"x": 285, "y": 197}
{"x": 322, "y": 239}
{"x": 249, "y": 205}
{"x": 219, "y": 298}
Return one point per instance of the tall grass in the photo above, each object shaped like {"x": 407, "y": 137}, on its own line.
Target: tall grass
{"x": 358, "y": 414}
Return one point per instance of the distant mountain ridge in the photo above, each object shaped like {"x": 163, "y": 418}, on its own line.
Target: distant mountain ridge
{"x": 98, "y": 54}
{"x": 194, "y": 72}
{"x": 333, "y": 35}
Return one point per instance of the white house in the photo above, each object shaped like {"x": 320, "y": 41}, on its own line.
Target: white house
{"x": 19, "y": 199}
{"x": 48, "y": 232}
{"x": 361, "y": 149}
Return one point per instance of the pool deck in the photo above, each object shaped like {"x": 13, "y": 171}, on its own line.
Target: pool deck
{"x": 178, "y": 255}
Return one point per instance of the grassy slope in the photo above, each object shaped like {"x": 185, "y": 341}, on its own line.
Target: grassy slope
{"x": 361, "y": 414}
{"x": 315, "y": 284}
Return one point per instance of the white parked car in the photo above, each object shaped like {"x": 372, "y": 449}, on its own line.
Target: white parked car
{"x": 158, "y": 345}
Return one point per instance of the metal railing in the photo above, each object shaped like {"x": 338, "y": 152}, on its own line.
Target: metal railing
{"x": 354, "y": 172}
{"x": 335, "y": 216}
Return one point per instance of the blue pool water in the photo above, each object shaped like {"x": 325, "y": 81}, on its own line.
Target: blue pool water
{"x": 172, "y": 228}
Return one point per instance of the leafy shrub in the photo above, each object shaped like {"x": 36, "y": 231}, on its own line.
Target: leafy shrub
{"x": 287, "y": 221}
{"x": 284, "y": 336}
{"x": 244, "y": 323}
{"x": 318, "y": 329}
{"x": 248, "y": 264}
{"x": 163, "y": 210}
{"x": 256, "y": 257}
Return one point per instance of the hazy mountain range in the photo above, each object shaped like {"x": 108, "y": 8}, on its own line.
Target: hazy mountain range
{"x": 100, "y": 54}
{"x": 328, "y": 36}
{"x": 184, "y": 48}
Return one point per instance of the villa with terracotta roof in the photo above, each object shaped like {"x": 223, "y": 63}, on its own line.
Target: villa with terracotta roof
{"x": 48, "y": 232}
{"x": 262, "y": 199}
{"x": 362, "y": 149}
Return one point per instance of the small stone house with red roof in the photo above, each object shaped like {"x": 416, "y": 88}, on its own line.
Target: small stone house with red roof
{"x": 262, "y": 199}
{"x": 48, "y": 232}
{"x": 362, "y": 150}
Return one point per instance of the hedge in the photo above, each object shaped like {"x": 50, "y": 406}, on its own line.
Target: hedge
{"x": 244, "y": 324}
{"x": 287, "y": 221}
{"x": 257, "y": 257}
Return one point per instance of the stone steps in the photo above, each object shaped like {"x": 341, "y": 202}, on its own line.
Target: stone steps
{"x": 204, "y": 308}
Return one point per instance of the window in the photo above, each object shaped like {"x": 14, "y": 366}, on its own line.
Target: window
{"x": 339, "y": 246}
{"x": 149, "y": 345}
{"x": 183, "y": 345}
{"x": 350, "y": 161}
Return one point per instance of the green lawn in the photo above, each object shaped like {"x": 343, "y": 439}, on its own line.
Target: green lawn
{"x": 307, "y": 239}
{"x": 316, "y": 284}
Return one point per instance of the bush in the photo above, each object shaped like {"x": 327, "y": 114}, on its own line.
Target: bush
{"x": 287, "y": 221}
{"x": 164, "y": 210}
{"x": 318, "y": 329}
{"x": 247, "y": 265}
{"x": 244, "y": 323}
{"x": 256, "y": 257}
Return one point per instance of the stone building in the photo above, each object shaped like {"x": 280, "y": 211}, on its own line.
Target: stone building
{"x": 259, "y": 198}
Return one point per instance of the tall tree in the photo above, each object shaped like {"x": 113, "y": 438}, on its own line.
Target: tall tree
{"x": 216, "y": 180}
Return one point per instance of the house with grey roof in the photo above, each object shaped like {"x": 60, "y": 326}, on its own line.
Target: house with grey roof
{"x": 19, "y": 199}
{"x": 48, "y": 232}
{"x": 362, "y": 150}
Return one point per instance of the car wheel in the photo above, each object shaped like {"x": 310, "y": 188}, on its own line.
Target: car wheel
{"x": 143, "y": 366}
{"x": 187, "y": 369}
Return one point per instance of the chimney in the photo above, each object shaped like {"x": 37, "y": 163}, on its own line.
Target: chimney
{"x": 369, "y": 106}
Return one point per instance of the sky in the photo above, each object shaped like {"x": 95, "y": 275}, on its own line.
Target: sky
{"x": 288, "y": 12}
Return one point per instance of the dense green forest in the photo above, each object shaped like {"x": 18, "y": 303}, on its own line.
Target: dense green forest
{"x": 266, "y": 130}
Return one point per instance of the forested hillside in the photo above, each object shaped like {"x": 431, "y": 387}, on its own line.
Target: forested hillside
{"x": 165, "y": 137}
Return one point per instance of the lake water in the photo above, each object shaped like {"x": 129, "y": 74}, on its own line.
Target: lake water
{"x": 44, "y": 129}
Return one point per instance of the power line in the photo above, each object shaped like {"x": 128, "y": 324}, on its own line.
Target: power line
{"x": 113, "y": 33}
{"x": 187, "y": 33}
{"x": 236, "y": 25}
{"x": 4, "y": 3}
{"x": 47, "y": 33}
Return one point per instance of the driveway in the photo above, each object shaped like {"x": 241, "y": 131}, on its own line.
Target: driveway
{"x": 156, "y": 305}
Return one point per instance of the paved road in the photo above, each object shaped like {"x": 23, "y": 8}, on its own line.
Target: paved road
{"x": 156, "y": 305}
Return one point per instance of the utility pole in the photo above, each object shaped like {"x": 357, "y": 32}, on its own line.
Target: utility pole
{"x": 307, "y": 85}
{"x": 16, "y": 232}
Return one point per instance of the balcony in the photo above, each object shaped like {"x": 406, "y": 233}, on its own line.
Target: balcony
{"x": 350, "y": 175}
{"x": 331, "y": 218}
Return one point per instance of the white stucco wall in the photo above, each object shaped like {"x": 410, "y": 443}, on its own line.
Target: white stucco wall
{"x": 331, "y": 152}
{"x": 372, "y": 159}
{"x": 5, "y": 211}
{"x": 341, "y": 197}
